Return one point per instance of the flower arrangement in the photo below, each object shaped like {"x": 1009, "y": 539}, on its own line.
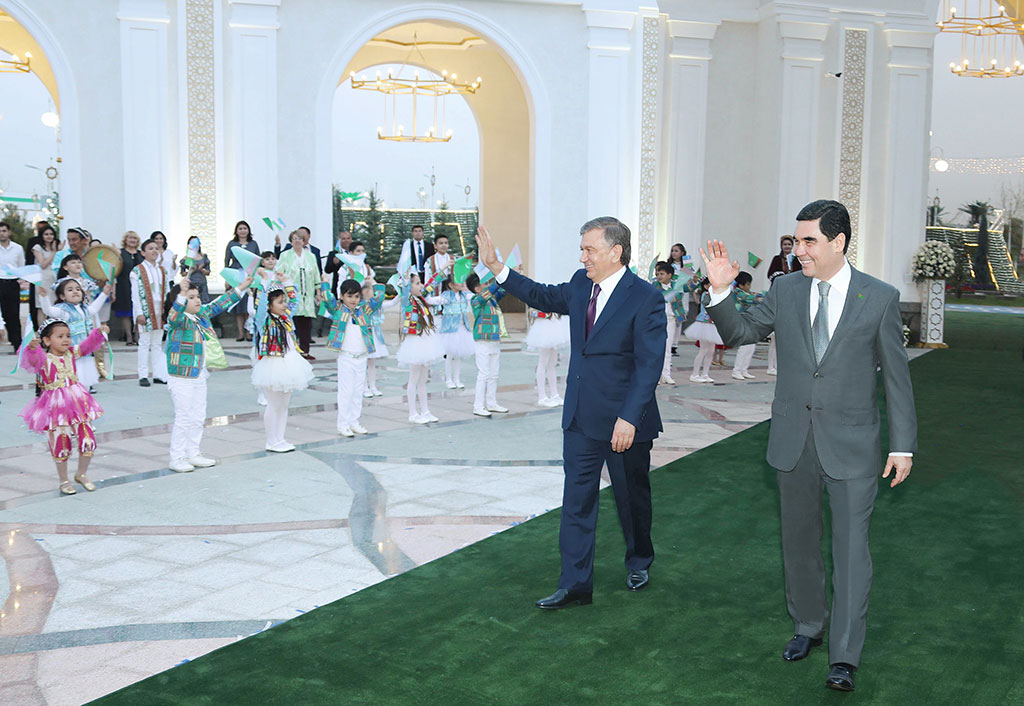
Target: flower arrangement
{"x": 933, "y": 260}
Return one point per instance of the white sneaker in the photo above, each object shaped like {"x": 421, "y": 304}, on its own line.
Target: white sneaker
{"x": 558, "y": 401}
{"x": 737, "y": 376}
{"x": 707, "y": 378}
{"x": 359, "y": 429}
{"x": 367, "y": 392}
{"x": 748, "y": 376}
{"x": 450, "y": 385}
{"x": 376, "y": 392}
{"x": 281, "y": 447}
{"x": 346, "y": 431}
{"x": 543, "y": 402}
{"x": 181, "y": 465}
{"x": 459, "y": 385}
{"x": 772, "y": 371}
{"x": 666, "y": 380}
{"x": 200, "y": 461}
{"x": 496, "y": 408}
{"x": 429, "y": 417}
{"x": 419, "y": 419}
{"x": 262, "y": 402}
{"x": 481, "y": 413}
{"x": 696, "y": 378}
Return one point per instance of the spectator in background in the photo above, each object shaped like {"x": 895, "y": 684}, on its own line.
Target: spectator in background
{"x": 198, "y": 271}
{"x": 42, "y": 251}
{"x": 242, "y": 238}
{"x": 168, "y": 260}
{"x": 130, "y": 257}
{"x": 13, "y": 255}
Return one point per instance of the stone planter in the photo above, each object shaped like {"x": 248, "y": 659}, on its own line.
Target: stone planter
{"x": 933, "y": 312}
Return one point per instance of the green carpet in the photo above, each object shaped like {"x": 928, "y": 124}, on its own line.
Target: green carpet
{"x": 946, "y": 624}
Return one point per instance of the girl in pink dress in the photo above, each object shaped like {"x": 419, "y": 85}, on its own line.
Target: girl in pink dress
{"x": 65, "y": 408}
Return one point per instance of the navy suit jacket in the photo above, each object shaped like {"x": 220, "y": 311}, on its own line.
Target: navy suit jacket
{"x": 614, "y": 372}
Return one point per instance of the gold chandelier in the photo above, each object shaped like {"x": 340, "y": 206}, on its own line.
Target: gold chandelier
{"x": 16, "y": 65}
{"x": 429, "y": 87}
{"x": 990, "y": 45}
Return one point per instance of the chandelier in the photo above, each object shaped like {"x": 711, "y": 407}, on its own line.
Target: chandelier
{"x": 990, "y": 45}
{"x": 432, "y": 89}
{"x": 16, "y": 65}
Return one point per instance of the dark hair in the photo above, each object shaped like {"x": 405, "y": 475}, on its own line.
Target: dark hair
{"x": 438, "y": 236}
{"x": 62, "y": 271}
{"x": 274, "y": 294}
{"x": 744, "y": 278}
{"x": 472, "y": 281}
{"x": 835, "y": 219}
{"x": 681, "y": 247}
{"x": 58, "y": 291}
{"x": 234, "y": 233}
{"x": 417, "y": 226}
{"x": 76, "y": 231}
{"x": 615, "y": 233}
{"x": 152, "y": 236}
{"x": 148, "y": 241}
{"x": 350, "y": 286}
{"x": 267, "y": 253}
{"x": 41, "y": 231}
{"x": 665, "y": 267}
{"x": 305, "y": 228}
{"x": 95, "y": 240}
{"x": 705, "y": 282}
{"x": 446, "y": 284}
{"x": 48, "y": 329}
{"x": 5, "y": 224}
{"x": 355, "y": 244}
{"x": 169, "y": 299}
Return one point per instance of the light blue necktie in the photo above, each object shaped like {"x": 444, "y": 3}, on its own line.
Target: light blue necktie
{"x": 819, "y": 329}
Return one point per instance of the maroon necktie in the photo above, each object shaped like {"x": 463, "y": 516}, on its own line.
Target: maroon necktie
{"x": 592, "y": 308}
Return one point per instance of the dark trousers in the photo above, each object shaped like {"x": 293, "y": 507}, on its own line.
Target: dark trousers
{"x": 851, "y": 501}
{"x": 303, "y": 331}
{"x": 583, "y": 459}
{"x": 10, "y": 309}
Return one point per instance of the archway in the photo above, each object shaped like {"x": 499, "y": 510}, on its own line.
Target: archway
{"x": 22, "y": 31}
{"x": 513, "y": 176}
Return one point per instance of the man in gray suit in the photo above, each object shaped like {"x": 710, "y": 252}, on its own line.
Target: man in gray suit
{"x": 834, "y": 327}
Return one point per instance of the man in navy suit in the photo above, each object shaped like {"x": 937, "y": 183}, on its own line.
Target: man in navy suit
{"x": 617, "y": 331}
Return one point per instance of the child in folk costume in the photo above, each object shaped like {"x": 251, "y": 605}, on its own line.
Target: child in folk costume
{"x": 420, "y": 347}
{"x": 81, "y": 319}
{"x": 488, "y": 330}
{"x": 355, "y": 263}
{"x": 456, "y": 328}
{"x": 149, "y": 290}
{"x": 65, "y": 409}
{"x": 439, "y": 265}
{"x": 548, "y": 333}
{"x": 666, "y": 282}
{"x": 279, "y": 369}
{"x": 268, "y": 261}
{"x": 72, "y": 267}
{"x": 704, "y": 332}
{"x": 191, "y": 348}
{"x": 351, "y": 336}
{"x": 744, "y": 300}
{"x": 380, "y": 349}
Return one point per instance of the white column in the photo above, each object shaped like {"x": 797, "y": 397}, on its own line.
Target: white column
{"x": 144, "y": 109}
{"x": 906, "y": 159}
{"x": 251, "y": 163}
{"x": 613, "y": 116}
{"x": 802, "y": 49}
{"x": 685, "y": 144}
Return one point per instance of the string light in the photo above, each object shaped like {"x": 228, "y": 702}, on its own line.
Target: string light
{"x": 970, "y": 165}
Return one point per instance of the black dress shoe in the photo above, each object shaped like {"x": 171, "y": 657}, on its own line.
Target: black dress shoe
{"x": 637, "y": 579}
{"x": 563, "y": 597}
{"x": 840, "y": 677}
{"x": 799, "y": 647}
{"x": 143, "y": 382}
{"x": 158, "y": 381}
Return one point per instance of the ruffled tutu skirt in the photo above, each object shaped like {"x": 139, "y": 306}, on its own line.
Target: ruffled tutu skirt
{"x": 548, "y": 333}
{"x": 380, "y": 348}
{"x": 420, "y": 350}
{"x": 287, "y": 374}
{"x": 88, "y": 373}
{"x": 703, "y": 331}
{"x": 65, "y": 406}
{"x": 458, "y": 344}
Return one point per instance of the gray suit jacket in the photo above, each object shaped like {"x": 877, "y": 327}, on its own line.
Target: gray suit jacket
{"x": 836, "y": 399}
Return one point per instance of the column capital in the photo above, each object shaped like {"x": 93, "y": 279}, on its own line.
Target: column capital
{"x": 254, "y": 14}
{"x": 911, "y": 49}
{"x": 691, "y": 40}
{"x": 803, "y": 41}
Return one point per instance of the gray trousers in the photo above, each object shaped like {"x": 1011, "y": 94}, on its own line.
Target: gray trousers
{"x": 851, "y": 502}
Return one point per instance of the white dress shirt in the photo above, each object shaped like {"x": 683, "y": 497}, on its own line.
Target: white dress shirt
{"x": 608, "y": 285}
{"x": 839, "y": 287}
{"x": 12, "y": 255}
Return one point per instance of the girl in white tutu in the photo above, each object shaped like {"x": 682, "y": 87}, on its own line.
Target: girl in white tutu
{"x": 548, "y": 332}
{"x": 456, "y": 329}
{"x": 380, "y": 349}
{"x": 279, "y": 368}
{"x": 704, "y": 332}
{"x": 420, "y": 347}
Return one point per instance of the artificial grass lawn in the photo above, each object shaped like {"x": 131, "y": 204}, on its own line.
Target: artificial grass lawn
{"x": 946, "y": 624}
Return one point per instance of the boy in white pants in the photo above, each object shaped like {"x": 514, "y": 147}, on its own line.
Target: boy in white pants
{"x": 351, "y": 336}
{"x": 744, "y": 300}
{"x": 675, "y": 313}
{"x": 488, "y": 330}
{"x": 149, "y": 288}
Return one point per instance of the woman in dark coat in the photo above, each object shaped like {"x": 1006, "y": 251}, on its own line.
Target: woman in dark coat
{"x": 242, "y": 239}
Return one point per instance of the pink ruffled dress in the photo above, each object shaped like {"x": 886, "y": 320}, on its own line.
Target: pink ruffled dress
{"x": 64, "y": 402}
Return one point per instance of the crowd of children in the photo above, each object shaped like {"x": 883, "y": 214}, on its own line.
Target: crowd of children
{"x": 449, "y": 315}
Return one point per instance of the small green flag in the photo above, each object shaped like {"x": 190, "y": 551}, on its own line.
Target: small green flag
{"x": 232, "y": 276}
{"x": 752, "y": 259}
{"x": 461, "y": 269}
{"x": 270, "y": 224}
